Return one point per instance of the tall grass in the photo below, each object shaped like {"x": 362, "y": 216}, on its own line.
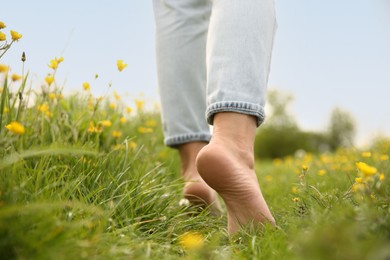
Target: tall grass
{"x": 89, "y": 178}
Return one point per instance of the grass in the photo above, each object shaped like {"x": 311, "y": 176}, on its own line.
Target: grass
{"x": 90, "y": 179}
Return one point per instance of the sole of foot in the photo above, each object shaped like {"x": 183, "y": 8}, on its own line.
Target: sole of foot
{"x": 230, "y": 172}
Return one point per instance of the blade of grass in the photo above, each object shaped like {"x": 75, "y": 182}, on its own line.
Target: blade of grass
{"x": 3, "y": 97}
{"x": 16, "y": 157}
{"x": 21, "y": 91}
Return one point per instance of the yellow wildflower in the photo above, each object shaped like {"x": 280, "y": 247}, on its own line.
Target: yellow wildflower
{"x": 91, "y": 104}
{"x": 3, "y": 37}
{"x": 91, "y": 128}
{"x": 277, "y": 161}
{"x": 139, "y": 104}
{"x": 382, "y": 177}
{"x": 16, "y": 77}
{"x": 366, "y": 154}
{"x": 112, "y": 105}
{"x": 325, "y": 159}
{"x": 122, "y": 120}
{"x": 162, "y": 154}
{"x": 151, "y": 123}
{"x": 129, "y": 110}
{"x": 52, "y": 96}
{"x": 118, "y": 147}
{"x": 49, "y": 79}
{"x": 304, "y": 167}
{"x": 294, "y": 189}
{"x": 191, "y": 240}
{"x": 296, "y": 199}
{"x": 86, "y": 86}
{"x": 84, "y": 160}
{"x": 384, "y": 157}
{"x": 268, "y": 178}
{"x": 145, "y": 130}
{"x": 3, "y": 68}
{"x": 59, "y": 60}
{"x": 60, "y": 96}
{"x": 359, "y": 180}
{"x": 2, "y": 25}
{"x": 16, "y": 128}
{"x": 366, "y": 169}
{"x": 43, "y": 108}
{"x": 53, "y": 64}
{"x": 49, "y": 114}
{"x": 321, "y": 172}
{"x": 116, "y": 134}
{"x": 308, "y": 157}
{"x": 106, "y": 123}
{"x": 117, "y": 97}
{"x": 132, "y": 144}
{"x": 121, "y": 65}
{"x": 6, "y": 110}
{"x": 15, "y": 35}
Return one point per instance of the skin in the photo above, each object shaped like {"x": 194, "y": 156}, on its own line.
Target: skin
{"x": 226, "y": 165}
{"x": 196, "y": 189}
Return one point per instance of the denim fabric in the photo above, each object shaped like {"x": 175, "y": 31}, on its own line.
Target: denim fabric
{"x": 212, "y": 56}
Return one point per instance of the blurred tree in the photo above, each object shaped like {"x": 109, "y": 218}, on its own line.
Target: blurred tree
{"x": 341, "y": 129}
{"x": 279, "y": 135}
{"x": 279, "y": 117}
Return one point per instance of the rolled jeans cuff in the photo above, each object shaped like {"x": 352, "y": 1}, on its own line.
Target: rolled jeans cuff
{"x": 237, "y": 107}
{"x": 176, "y": 140}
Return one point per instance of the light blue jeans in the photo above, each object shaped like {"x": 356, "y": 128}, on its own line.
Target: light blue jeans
{"x": 212, "y": 56}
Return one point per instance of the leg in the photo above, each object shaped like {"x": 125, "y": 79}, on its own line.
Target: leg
{"x": 239, "y": 48}
{"x": 238, "y": 57}
{"x": 196, "y": 190}
{"x": 181, "y": 34}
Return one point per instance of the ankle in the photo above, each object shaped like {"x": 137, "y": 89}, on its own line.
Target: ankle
{"x": 237, "y": 130}
{"x": 241, "y": 151}
{"x": 188, "y": 153}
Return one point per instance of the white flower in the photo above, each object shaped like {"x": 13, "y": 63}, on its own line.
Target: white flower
{"x": 184, "y": 202}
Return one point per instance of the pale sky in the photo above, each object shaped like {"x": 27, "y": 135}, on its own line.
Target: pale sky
{"x": 326, "y": 54}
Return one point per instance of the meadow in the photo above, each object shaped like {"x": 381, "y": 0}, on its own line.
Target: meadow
{"x": 84, "y": 177}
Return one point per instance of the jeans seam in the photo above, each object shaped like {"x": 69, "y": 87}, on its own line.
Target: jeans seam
{"x": 175, "y": 140}
{"x": 235, "y": 106}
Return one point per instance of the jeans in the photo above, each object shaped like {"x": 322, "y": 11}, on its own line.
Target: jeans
{"x": 212, "y": 56}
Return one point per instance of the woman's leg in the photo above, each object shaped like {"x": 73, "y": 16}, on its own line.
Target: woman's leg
{"x": 181, "y": 35}
{"x": 196, "y": 190}
{"x": 239, "y": 50}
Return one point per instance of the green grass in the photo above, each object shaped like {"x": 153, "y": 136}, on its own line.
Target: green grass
{"x": 69, "y": 189}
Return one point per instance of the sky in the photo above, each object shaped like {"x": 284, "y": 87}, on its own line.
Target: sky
{"x": 327, "y": 54}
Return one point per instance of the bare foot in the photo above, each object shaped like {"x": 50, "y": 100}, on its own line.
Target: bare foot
{"x": 227, "y": 165}
{"x": 200, "y": 194}
{"x": 196, "y": 189}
